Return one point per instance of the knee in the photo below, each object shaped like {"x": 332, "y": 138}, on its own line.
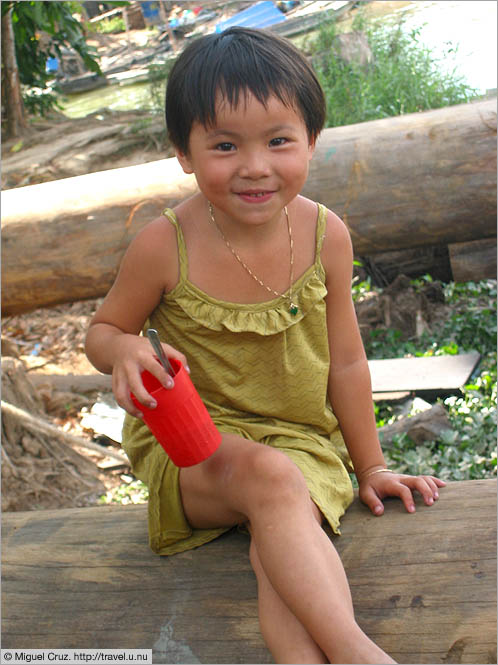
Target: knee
{"x": 274, "y": 478}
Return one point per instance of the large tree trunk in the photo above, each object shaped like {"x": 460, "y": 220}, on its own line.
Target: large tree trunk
{"x": 423, "y": 585}
{"x": 420, "y": 180}
{"x": 11, "y": 86}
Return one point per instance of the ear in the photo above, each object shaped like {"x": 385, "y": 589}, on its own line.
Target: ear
{"x": 311, "y": 148}
{"x": 184, "y": 160}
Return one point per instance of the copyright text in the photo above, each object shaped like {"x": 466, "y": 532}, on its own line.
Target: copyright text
{"x": 77, "y": 656}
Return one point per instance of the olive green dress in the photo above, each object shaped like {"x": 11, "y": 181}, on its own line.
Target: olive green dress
{"x": 262, "y": 373}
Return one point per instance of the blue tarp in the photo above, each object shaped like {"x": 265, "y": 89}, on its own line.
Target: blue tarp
{"x": 260, "y": 15}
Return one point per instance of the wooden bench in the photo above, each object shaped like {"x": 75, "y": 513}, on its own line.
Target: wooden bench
{"x": 424, "y": 585}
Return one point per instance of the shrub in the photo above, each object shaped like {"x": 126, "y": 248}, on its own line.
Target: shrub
{"x": 468, "y": 450}
{"x": 403, "y": 77}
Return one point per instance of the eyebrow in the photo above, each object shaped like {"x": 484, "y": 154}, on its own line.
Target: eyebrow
{"x": 226, "y": 132}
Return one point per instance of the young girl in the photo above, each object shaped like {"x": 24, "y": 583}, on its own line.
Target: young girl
{"x": 250, "y": 284}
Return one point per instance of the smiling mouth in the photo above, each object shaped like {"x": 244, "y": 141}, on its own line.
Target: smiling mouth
{"x": 256, "y": 195}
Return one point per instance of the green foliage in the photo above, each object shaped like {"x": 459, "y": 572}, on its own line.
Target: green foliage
{"x": 158, "y": 75}
{"x": 40, "y": 102}
{"x": 468, "y": 450}
{"x": 110, "y": 25}
{"x": 130, "y": 491}
{"x": 29, "y": 19}
{"x": 403, "y": 77}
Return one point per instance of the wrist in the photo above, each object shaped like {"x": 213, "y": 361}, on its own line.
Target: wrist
{"x": 371, "y": 470}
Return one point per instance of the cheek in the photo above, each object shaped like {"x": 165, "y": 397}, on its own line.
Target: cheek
{"x": 298, "y": 169}
{"x": 213, "y": 175}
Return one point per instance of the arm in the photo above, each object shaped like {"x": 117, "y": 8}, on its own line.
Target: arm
{"x": 113, "y": 342}
{"x": 350, "y": 390}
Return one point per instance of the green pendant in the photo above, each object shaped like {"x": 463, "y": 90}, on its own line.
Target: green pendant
{"x": 293, "y": 309}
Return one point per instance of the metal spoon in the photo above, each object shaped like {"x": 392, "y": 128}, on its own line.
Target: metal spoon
{"x": 156, "y": 344}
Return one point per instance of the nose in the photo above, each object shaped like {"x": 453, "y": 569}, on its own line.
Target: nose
{"x": 254, "y": 164}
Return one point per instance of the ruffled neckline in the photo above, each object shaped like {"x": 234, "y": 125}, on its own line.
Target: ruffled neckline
{"x": 264, "y": 318}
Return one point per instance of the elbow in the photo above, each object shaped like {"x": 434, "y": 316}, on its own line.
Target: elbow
{"x": 91, "y": 348}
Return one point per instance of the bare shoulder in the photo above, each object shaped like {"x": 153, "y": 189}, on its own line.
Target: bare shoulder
{"x": 337, "y": 249}
{"x": 155, "y": 249}
{"x": 157, "y": 236}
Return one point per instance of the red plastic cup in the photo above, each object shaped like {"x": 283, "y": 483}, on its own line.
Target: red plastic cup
{"x": 180, "y": 422}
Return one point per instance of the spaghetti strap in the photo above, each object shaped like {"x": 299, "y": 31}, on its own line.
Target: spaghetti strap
{"x": 320, "y": 229}
{"x": 182, "y": 250}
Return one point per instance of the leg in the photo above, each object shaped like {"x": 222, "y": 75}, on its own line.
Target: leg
{"x": 285, "y": 637}
{"x": 247, "y": 481}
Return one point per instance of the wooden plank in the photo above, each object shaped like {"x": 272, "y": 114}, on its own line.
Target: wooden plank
{"x": 424, "y": 585}
{"x": 391, "y": 397}
{"x": 391, "y": 379}
{"x": 444, "y": 373}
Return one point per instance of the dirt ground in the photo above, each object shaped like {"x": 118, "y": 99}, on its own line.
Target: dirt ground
{"x": 59, "y": 147}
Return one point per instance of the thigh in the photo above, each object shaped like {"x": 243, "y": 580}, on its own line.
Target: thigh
{"x": 217, "y": 492}
{"x": 203, "y": 487}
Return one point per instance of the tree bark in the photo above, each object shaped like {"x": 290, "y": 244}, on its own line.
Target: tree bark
{"x": 420, "y": 180}
{"x": 11, "y": 94}
{"x": 423, "y": 585}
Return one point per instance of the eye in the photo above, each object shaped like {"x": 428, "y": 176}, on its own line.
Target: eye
{"x": 226, "y": 146}
{"x": 280, "y": 140}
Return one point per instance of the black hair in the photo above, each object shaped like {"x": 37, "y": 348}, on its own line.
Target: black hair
{"x": 237, "y": 62}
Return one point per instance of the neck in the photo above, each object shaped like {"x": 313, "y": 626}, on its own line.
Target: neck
{"x": 251, "y": 235}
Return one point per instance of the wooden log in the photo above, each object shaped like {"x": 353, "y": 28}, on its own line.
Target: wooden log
{"x": 474, "y": 260}
{"x": 398, "y": 182}
{"x": 425, "y": 426}
{"x": 421, "y": 179}
{"x": 423, "y": 585}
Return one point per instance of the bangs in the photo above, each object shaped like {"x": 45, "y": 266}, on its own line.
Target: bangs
{"x": 228, "y": 68}
{"x": 230, "y": 74}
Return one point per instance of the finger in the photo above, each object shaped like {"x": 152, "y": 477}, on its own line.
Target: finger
{"x": 154, "y": 367}
{"x": 171, "y": 352}
{"x": 371, "y": 499}
{"x": 432, "y": 484}
{"x": 122, "y": 390}
{"x": 406, "y": 496}
{"x": 421, "y": 484}
{"x": 126, "y": 403}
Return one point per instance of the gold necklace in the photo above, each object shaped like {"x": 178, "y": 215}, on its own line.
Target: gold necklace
{"x": 293, "y": 308}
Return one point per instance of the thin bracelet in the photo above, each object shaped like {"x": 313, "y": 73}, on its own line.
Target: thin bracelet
{"x": 377, "y": 471}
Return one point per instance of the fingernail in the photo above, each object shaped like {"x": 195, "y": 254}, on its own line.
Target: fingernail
{"x": 187, "y": 368}
{"x": 169, "y": 382}
{"x": 378, "y": 510}
{"x": 430, "y": 501}
{"x": 436, "y": 495}
{"x": 152, "y": 404}
{"x": 411, "y": 508}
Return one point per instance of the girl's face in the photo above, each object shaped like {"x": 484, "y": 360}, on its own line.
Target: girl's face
{"x": 253, "y": 160}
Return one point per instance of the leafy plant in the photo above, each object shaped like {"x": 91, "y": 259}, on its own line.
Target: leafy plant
{"x": 29, "y": 20}
{"x": 403, "y": 77}
{"x": 468, "y": 450}
{"x": 111, "y": 25}
{"x": 130, "y": 491}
